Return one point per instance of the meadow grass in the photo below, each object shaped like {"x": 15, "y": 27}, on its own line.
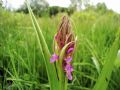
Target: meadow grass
{"x": 24, "y": 64}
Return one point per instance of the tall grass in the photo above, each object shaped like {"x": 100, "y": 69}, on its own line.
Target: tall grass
{"x": 97, "y": 47}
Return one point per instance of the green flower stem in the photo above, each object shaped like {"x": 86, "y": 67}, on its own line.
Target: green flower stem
{"x": 61, "y": 74}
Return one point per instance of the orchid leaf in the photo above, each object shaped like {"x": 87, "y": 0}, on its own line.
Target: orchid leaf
{"x": 51, "y": 71}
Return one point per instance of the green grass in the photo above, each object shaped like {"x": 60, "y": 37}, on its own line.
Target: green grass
{"x": 95, "y": 56}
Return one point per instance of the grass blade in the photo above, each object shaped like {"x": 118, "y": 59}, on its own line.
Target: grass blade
{"x": 52, "y": 75}
{"x": 106, "y": 72}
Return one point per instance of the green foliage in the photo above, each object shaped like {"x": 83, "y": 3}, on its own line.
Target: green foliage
{"x": 24, "y": 63}
{"x": 0, "y": 3}
{"x": 54, "y": 10}
{"x": 106, "y": 72}
{"x": 77, "y": 4}
{"x": 39, "y": 7}
{"x": 52, "y": 76}
{"x": 101, "y": 7}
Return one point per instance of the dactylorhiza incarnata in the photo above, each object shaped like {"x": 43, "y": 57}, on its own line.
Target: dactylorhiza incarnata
{"x": 64, "y": 39}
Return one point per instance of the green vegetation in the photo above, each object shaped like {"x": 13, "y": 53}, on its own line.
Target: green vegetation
{"x": 96, "y": 65}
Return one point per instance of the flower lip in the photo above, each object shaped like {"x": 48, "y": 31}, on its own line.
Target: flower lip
{"x": 69, "y": 59}
{"x": 68, "y": 68}
{"x": 70, "y": 50}
{"x": 69, "y": 76}
{"x": 54, "y": 58}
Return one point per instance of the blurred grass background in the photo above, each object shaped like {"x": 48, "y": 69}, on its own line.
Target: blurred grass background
{"x": 23, "y": 63}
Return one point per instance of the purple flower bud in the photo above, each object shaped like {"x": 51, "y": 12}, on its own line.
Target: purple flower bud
{"x": 64, "y": 34}
{"x": 54, "y": 58}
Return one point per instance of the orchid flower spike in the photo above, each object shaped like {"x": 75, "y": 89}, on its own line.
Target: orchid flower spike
{"x": 64, "y": 39}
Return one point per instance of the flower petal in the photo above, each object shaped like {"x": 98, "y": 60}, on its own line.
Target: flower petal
{"x": 69, "y": 76}
{"x": 54, "y": 58}
{"x": 69, "y": 59}
{"x": 68, "y": 68}
{"x": 70, "y": 50}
